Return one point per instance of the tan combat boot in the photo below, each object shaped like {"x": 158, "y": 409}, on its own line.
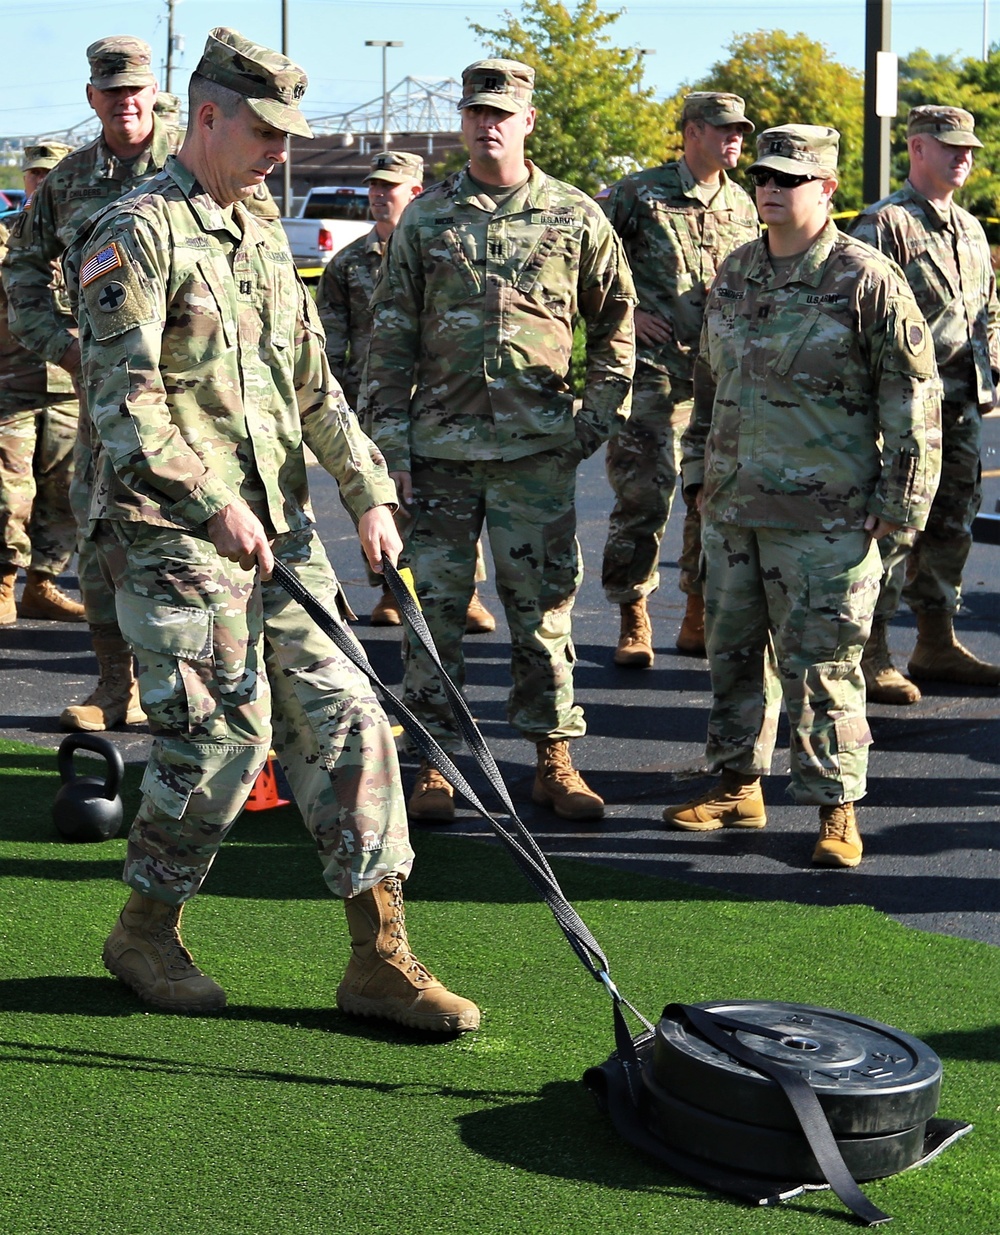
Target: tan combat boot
{"x": 559, "y": 785}
{"x": 42, "y": 598}
{"x": 736, "y": 802}
{"x": 883, "y": 681}
{"x": 433, "y": 798}
{"x": 939, "y": 657}
{"x": 635, "y": 642}
{"x": 386, "y": 612}
{"x": 691, "y": 636}
{"x": 145, "y": 951}
{"x": 8, "y": 609}
{"x": 115, "y": 698}
{"x": 383, "y": 976}
{"x": 478, "y": 619}
{"x": 839, "y": 841}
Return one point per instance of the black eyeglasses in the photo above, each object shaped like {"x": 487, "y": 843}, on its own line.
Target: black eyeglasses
{"x": 782, "y": 179}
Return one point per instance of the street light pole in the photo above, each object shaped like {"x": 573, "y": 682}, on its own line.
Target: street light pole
{"x": 384, "y": 43}
{"x": 287, "y": 187}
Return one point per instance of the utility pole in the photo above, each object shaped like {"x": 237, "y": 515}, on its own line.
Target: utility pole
{"x": 384, "y": 43}
{"x": 288, "y": 140}
{"x": 880, "y": 98}
{"x": 169, "y": 74}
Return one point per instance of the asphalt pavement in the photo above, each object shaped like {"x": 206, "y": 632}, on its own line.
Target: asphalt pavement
{"x": 929, "y": 822}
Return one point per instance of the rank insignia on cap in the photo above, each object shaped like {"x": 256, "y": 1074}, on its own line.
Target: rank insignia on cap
{"x": 108, "y": 259}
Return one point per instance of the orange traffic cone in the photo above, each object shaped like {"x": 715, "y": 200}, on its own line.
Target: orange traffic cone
{"x": 264, "y": 794}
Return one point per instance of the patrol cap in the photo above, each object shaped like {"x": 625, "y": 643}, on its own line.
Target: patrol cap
{"x": 952, "y": 125}
{"x": 120, "y": 60}
{"x": 44, "y": 156}
{"x": 167, "y": 105}
{"x": 396, "y": 167}
{"x": 715, "y": 107}
{"x": 504, "y": 84}
{"x": 799, "y": 149}
{"x": 271, "y": 83}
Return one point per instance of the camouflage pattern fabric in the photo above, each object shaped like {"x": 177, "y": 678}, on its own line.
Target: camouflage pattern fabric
{"x": 817, "y": 402}
{"x": 530, "y": 518}
{"x": 474, "y": 310}
{"x": 787, "y": 411}
{"x": 37, "y": 428}
{"x": 228, "y": 666}
{"x": 674, "y": 241}
{"x": 204, "y": 357}
{"x": 37, "y": 528}
{"x": 946, "y": 259}
{"x": 345, "y": 289}
{"x": 788, "y": 613}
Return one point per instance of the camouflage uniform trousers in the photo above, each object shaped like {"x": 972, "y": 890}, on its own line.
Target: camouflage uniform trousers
{"x": 642, "y": 464}
{"x": 926, "y": 569}
{"x": 37, "y": 528}
{"x": 97, "y": 596}
{"x": 788, "y": 613}
{"x": 528, "y": 509}
{"x": 227, "y": 666}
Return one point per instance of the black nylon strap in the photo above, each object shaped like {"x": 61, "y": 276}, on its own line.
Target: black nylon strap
{"x": 812, "y": 1119}
{"x": 520, "y": 843}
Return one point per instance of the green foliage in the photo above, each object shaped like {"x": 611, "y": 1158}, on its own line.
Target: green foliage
{"x": 791, "y": 79}
{"x": 596, "y": 121}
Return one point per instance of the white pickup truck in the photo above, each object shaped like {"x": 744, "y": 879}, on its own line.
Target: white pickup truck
{"x": 331, "y": 217}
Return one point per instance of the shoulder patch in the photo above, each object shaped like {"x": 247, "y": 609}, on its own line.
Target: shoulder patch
{"x": 114, "y": 297}
{"x": 108, "y": 258}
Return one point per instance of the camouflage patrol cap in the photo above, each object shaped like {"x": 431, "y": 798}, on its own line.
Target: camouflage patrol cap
{"x": 120, "y": 60}
{"x": 396, "y": 167}
{"x": 271, "y": 83}
{"x": 952, "y": 125}
{"x": 715, "y": 108}
{"x": 504, "y": 84}
{"x": 44, "y": 156}
{"x": 168, "y": 106}
{"x": 799, "y": 149}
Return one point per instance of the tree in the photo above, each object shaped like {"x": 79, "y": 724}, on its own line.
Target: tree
{"x": 596, "y": 121}
{"x": 791, "y": 79}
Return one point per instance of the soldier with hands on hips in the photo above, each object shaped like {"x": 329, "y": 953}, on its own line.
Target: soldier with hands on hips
{"x": 816, "y": 432}
{"x": 677, "y": 222}
{"x": 204, "y": 363}
{"x": 945, "y": 256}
{"x": 470, "y": 402}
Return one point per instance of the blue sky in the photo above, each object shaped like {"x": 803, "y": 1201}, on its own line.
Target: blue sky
{"x": 44, "y": 65}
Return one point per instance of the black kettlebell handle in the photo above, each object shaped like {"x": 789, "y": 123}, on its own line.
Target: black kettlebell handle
{"x": 100, "y": 746}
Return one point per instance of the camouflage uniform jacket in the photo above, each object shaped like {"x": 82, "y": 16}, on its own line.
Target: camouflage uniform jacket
{"x": 342, "y": 299}
{"x": 799, "y": 375}
{"x": 674, "y": 244}
{"x": 473, "y": 315}
{"x": 946, "y": 259}
{"x": 81, "y": 184}
{"x": 203, "y": 357}
{"x": 26, "y": 381}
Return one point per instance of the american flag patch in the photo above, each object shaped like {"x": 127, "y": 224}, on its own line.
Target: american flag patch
{"x": 108, "y": 259}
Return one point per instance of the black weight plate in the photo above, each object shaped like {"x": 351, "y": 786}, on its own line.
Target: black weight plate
{"x": 770, "y": 1151}
{"x": 869, "y": 1077}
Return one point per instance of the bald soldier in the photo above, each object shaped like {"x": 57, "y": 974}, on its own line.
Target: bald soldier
{"x": 815, "y": 433}
{"x": 471, "y": 403}
{"x": 204, "y": 357}
{"x": 946, "y": 259}
{"x": 38, "y": 424}
{"x": 677, "y": 222}
{"x": 345, "y": 288}
{"x": 132, "y": 147}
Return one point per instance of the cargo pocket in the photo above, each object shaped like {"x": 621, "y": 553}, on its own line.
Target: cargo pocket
{"x": 170, "y": 798}
{"x": 177, "y": 680}
{"x": 840, "y": 607}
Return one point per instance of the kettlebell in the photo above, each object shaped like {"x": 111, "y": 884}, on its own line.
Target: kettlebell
{"x": 88, "y": 808}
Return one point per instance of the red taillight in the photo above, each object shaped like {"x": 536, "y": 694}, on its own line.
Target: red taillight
{"x": 325, "y": 241}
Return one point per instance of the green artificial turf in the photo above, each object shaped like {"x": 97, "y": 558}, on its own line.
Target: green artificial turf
{"x": 283, "y": 1116}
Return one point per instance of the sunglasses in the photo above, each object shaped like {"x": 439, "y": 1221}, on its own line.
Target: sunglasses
{"x": 782, "y": 179}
